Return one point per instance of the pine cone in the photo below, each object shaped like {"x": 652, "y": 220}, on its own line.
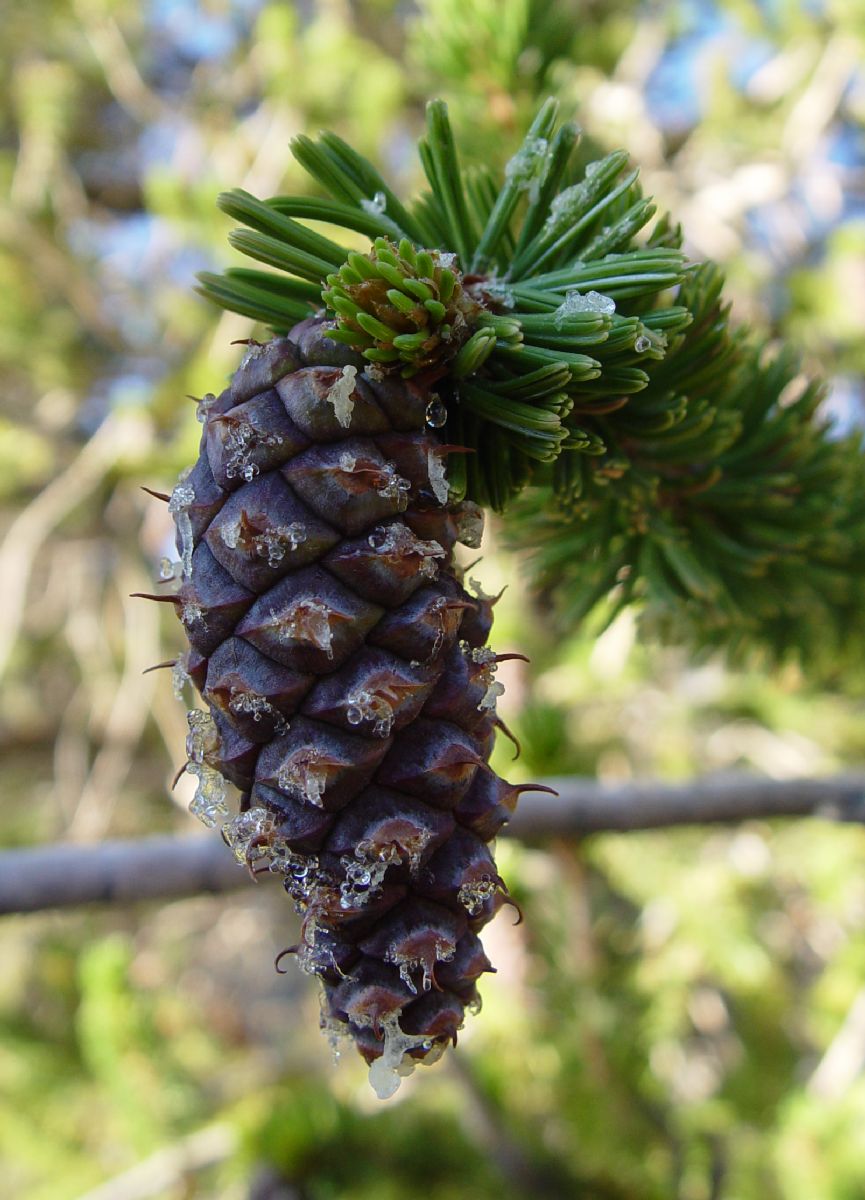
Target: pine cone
{"x": 351, "y": 694}
{"x": 350, "y": 689}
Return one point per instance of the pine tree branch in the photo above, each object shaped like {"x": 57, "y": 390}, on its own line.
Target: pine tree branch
{"x": 844, "y": 1060}
{"x": 169, "y": 1167}
{"x": 124, "y": 872}
{"x": 647, "y": 449}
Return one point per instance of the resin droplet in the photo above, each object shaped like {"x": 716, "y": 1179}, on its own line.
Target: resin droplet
{"x": 295, "y": 534}
{"x": 315, "y": 956}
{"x": 306, "y": 621}
{"x": 304, "y": 775}
{"x": 408, "y": 965}
{"x": 388, "y": 1071}
{"x": 436, "y": 413}
{"x": 412, "y": 848}
{"x": 526, "y": 166}
{"x": 574, "y": 302}
{"x": 255, "y": 706}
{"x": 241, "y": 440}
{"x": 494, "y": 690}
{"x": 203, "y": 407}
{"x": 486, "y": 659}
{"x": 362, "y": 881}
{"x": 179, "y": 677}
{"x": 252, "y": 352}
{"x": 364, "y": 705}
{"x": 399, "y": 542}
{"x": 208, "y": 803}
{"x": 203, "y": 738}
{"x": 391, "y": 486}
{"x": 565, "y": 207}
{"x": 242, "y": 831}
{"x": 478, "y": 591}
{"x": 181, "y": 498}
{"x": 481, "y": 654}
{"x": 642, "y": 344}
{"x": 500, "y": 292}
{"x": 474, "y": 895}
{"x": 191, "y": 613}
{"x": 340, "y": 396}
{"x": 299, "y": 872}
{"x": 336, "y": 1033}
{"x": 271, "y": 543}
{"x": 230, "y": 533}
{"x": 437, "y": 477}
{"x": 376, "y": 206}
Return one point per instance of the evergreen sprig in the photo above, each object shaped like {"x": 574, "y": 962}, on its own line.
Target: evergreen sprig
{"x": 403, "y": 308}
{"x": 555, "y": 289}
{"x": 738, "y": 522}
{"x": 589, "y": 358}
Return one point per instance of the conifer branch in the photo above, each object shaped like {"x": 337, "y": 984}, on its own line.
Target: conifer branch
{"x": 649, "y": 451}
{"x": 62, "y": 876}
{"x": 548, "y": 262}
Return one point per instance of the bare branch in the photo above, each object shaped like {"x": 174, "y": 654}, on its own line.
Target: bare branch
{"x": 844, "y": 1060}
{"x": 116, "y": 436}
{"x": 167, "y": 1168}
{"x": 584, "y": 806}
{"x": 62, "y": 876}
{"x": 153, "y": 868}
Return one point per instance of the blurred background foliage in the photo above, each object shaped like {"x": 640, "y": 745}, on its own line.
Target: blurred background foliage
{"x": 680, "y": 1014}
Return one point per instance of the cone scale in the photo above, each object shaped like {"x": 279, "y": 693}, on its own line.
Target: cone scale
{"x": 350, "y": 692}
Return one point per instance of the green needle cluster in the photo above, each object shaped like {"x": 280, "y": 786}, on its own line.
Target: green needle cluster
{"x": 582, "y": 354}
{"x": 401, "y": 307}
{"x": 725, "y": 508}
{"x": 529, "y": 292}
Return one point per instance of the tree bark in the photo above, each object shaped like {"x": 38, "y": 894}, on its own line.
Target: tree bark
{"x": 160, "y": 868}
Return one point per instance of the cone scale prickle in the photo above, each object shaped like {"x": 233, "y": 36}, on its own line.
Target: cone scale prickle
{"x": 350, "y": 692}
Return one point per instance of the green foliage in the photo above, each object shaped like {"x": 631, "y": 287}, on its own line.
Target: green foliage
{"x": 545, "y": 349}
{"x": 330, "y": 1149}
{"x": 404, "y": 308}
{"x": 738, "y": 523}
{"x": 94, "y": 1060}
{"x": 492, "y": 61}
{"x": 687, "y": 475}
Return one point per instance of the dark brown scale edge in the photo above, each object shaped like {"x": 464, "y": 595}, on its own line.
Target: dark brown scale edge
{"x": 349, "y": 687}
